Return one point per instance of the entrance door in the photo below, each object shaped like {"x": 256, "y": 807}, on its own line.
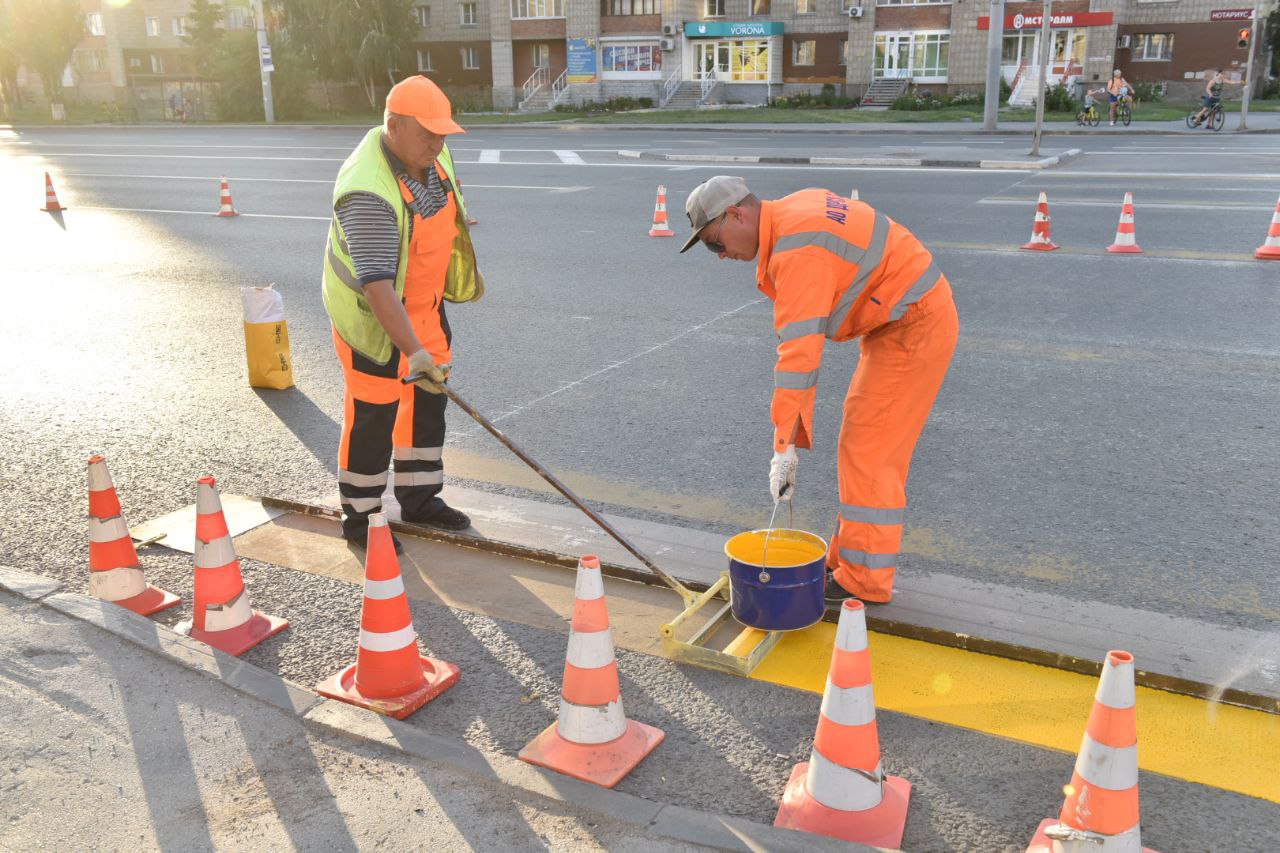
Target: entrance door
{"x": 894, "y": 57}
{"x": 711, "y": 60}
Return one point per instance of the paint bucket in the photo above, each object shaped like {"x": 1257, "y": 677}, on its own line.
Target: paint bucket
{"x": 786, "y": 594}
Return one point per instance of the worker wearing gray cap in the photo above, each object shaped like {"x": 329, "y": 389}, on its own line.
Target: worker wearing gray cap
{"x": 838, "y": 270}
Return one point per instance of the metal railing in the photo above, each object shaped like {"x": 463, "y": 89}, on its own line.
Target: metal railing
{"x": 708, "y": 83}
{"x": 540, "y": 77}
{"x": 669, "y": 86}
{"x": 559, "y": 87}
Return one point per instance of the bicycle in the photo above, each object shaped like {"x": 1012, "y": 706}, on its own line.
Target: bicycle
{"x": 1213, "y": 121}
{"x": 1124, "y": 111}
{"x": 1089, "y": 115}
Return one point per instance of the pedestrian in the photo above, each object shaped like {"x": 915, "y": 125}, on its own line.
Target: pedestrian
{"x": 837, "y": 270}
{"x": 398, "y": 218}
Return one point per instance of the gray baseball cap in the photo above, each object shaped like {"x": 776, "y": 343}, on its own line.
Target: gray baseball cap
{"x": 710, "y": 199}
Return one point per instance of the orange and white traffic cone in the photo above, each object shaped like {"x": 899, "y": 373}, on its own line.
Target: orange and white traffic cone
{"x": 1041, "y": 241}
{"x": 1100, "y": 814}
{"x": 592, "y": 739}
{"x": 1270, "y": 248}
{"x": 853, "y": 194}
{"x": 842, "y": 790}
{"x": 389, "y": 675}
{"x": 114, "y": 572}
{"x": 50, "y": 197}
{"x": 225, "y": 207}
{"x": 222, "y": 616}
{"x": 1125, "y": 242}
{"x": 660, "y": 228}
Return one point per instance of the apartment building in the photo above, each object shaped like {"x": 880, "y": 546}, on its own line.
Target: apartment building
{"x": 534, "y": 52}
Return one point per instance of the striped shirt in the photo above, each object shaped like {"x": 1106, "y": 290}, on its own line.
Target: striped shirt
{"x": 369, "y": 223}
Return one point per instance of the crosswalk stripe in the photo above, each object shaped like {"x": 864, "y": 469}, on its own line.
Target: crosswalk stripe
{"x": 570, "y": 157}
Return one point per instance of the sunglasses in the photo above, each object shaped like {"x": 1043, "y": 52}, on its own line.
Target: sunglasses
{"x": 715, "y": 246}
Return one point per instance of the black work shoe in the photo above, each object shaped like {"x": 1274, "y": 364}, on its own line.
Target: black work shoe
{"x": 361, "y": 541}
{"x": 445, "y": 518}
{"x": 836, "y": 594}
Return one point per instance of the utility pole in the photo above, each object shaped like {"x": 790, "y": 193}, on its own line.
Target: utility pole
{"x": 995, "y": 45}
{"x": 264, "y": 61}
{"x": 1045, "y": 15}
{"x": 1248, "y": 69}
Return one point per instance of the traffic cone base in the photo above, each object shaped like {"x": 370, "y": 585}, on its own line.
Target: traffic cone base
{"x": 153, "y": 600}
{"x": 1040, "y": 247}
{"x": 602, "y": 764}
{"x": 238, "y": 640}
{"x": 438, "y": 676}
{"x": 881, "y": 826}
{"x": 661, "y": 232}
{"x": 1268, "y": 253}
{"x": 1042, "y": 843}
{"x": 1117, "y": 249}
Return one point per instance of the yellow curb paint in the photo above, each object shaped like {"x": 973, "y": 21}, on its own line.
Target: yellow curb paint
{"x": 1223, "y": 746}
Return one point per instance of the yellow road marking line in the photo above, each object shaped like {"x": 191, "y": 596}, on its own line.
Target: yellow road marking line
{"x": 1223, "y": 746}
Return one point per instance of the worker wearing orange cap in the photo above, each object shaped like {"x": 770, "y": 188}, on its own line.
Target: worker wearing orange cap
{"x": 838, "y": 270}
{"x": 398, "y": 248}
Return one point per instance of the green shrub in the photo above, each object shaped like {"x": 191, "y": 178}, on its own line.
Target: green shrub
{"x": 1271, "y": 91}
{"x": 1147, "y": 93}
{"x": 1059, "y": 100}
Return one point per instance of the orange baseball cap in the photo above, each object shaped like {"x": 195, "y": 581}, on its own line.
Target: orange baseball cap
{"x": 418, "y": 97}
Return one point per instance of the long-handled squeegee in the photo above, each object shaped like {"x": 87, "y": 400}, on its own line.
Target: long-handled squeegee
{"x": 686, "y": 652}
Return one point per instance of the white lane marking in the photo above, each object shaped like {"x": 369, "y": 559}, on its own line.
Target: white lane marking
{"x": 775, "y": 167}
{"x": 1138, "y": 205}
{"x": 490, "y": 155}
{"x": 34, "y": 144}
{"x": 191, "y": 157}
{"x": 199, "y": 212}
{"x": 609, "y": 367}
{"x": 569, "y": 157}
{"x": 1070, "y": 174}
{"x": 329, "y": 181}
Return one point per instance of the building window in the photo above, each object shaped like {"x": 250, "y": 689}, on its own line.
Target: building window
{"x": 93, "y": 23}
{"x": 803, "y": 52}
{"x": 235, "y": 18}
{"x": 135, "y": 62}
{"x": 157, "y": 64}
{"x": 844, "y": 52}
{"x": 759, "y": 7}
{"x": 537, "y": 9}
{"x": 153, "y": 26}
{"x": 470, "y": 56}
{"x": 630, "y": 7}
{"x": 422, "y": 14}
{"x": 713, "y": 9}
{"x": 631, "y": 58}
{"x": 92, "y": 61}
{"x": 179, "y": 26}
{"x": 424, "y": 60}
{"x": 919, "y": 55}
{"x": 541, "y": 55}
{"x": 1153, "y": 47}
{"x": 804, "y": 7}
{"x": 469, "y": 16}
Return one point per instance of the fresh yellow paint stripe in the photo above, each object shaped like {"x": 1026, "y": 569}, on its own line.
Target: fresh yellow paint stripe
{"x": 1231, "y": 748}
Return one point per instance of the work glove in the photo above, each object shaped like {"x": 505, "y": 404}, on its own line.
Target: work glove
{"x": 434, "y": 375}
{"x": 782, "y": 474}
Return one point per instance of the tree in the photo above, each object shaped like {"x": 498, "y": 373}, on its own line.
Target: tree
{"x": 204, "y": 35}
{"x": 48, "y": 32}
{"x": 368, "y": 39}
{"x": 318, "y": 32}
{"x": 9, "y": 92}
{"x": 386, "y": 31}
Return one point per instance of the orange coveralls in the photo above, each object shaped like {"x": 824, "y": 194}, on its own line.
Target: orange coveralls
{"x": 837, "y": 269}
{"x": 379, "y": 412}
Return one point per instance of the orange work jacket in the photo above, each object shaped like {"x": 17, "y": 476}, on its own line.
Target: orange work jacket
{"x": 835, "y": 269}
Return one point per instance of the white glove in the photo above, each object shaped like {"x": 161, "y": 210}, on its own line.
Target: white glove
{"x": 435, "y": 375}
{"x": 782, "y": 474}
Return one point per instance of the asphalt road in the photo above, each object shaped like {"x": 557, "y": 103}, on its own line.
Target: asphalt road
{"x": 1107, "y": 429}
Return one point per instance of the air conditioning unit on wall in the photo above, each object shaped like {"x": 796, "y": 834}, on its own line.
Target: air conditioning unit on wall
{"x": 1124, "y": 41}
{"x": 668, "y": 29}
{"x": 667, "y": 44}
{"x": 855, "y": 12}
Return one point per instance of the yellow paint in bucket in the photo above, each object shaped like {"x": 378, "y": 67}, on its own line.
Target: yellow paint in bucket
{"x": 787, "y": 548}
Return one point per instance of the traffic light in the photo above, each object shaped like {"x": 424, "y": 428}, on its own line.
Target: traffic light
{"x": 1242, "y": 38}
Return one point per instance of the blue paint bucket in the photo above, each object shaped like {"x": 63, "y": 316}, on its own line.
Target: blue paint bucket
{"x": 786, "y": 594}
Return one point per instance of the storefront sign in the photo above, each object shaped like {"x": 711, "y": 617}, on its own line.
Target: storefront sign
{"x": 713, "y": 29}
{"x": 1231, "y": 15}
{"x": 581, "y": 60}
{"x": 1022, "y": 21}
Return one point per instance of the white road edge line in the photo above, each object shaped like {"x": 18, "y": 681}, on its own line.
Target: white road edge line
{"x": 1053, "y": 202}
{"x": 199, "y": 212}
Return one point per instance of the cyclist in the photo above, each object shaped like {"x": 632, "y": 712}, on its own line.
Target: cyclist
{"x": 1091, "y": 97}
{"x": 1117, "y": 88}
{"x": 1213, "y": 94}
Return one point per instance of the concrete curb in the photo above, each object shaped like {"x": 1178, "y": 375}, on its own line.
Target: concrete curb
{"x": 1042, "y": 163}
{"x": 660, "y": 819}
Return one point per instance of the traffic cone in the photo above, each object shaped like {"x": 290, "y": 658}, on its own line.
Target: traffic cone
{"x": 114, "y": 572}
{"x": 592, "y": 740}
{"x": 222, "y": 616}
{"x": 853, "y": 194}
{"x": 1270, "y": 248}
{"x": 660, "y": 227}
{"x": 50, "y": 197}
{"x": 1041, "y": 241}
{"x": 226, "y": 208}
{"x": 842, "y": 790}
{"x": 389, "y": 675}
{"x": 1100, "y": 814}
{"x": 1125, "y": 244}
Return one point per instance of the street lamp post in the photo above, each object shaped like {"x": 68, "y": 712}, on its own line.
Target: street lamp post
{"x": 264, "y": 62}
{"x": 1045, "y": 16}
{"x": 995, "y": 42}
{"x": 1248, "y": 69}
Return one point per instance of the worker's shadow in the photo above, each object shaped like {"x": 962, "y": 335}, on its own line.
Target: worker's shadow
{"x": 313, "y": 427}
